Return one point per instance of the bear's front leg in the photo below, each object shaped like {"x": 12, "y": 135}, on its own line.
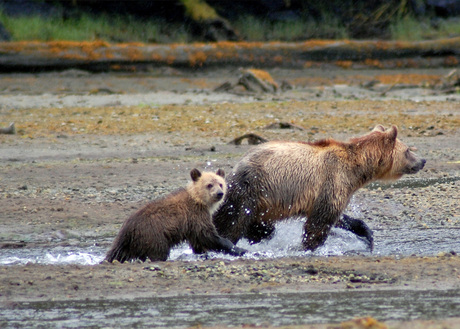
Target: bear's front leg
{"x": 358, "y": 227}
{"x": 209, "y": 240}
{"x": 228, "y": 247}
{"x": 257, "y": 232}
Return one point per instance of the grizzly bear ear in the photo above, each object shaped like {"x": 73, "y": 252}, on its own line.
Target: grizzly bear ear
{"x": 195, "y": 174}
{"x": 221, "y": 173}
{"x": 392, "y": 132}
{"x": 379, "y": 128}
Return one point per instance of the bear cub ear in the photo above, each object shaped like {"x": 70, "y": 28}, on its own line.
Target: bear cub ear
{"x": 195, "y": 174}
{"x": 221, "y": 173}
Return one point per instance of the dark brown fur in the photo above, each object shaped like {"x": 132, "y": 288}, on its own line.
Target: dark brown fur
{"x": 182, "y": 215}
{"x": 277, "y": 180}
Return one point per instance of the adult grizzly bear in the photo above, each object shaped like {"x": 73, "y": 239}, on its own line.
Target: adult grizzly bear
{"x": 277, "y": 180}
{"x": 182, "y": 215}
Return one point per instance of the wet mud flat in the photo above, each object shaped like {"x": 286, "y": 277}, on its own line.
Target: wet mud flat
{"x": 276, "y": 309}
{"x": 285, "y": 291}
{"x": 81, "y": 162}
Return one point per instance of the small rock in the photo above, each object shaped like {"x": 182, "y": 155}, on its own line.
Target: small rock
{"x": 10, "y": 130}
{"x": 253, "y": 139}
{"x": 257, "y": 81}
{"x": 311, "y": 270}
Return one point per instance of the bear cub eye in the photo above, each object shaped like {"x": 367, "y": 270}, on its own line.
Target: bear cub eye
{"x": 209, "y": 186}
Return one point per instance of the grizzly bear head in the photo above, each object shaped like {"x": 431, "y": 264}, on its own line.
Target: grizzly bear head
{"x": 397, "y": 158}
{"x": 208, "y": 188}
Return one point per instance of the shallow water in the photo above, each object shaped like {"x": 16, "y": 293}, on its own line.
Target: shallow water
{"x": 285, "y": 243}
{"x": 246, "y": 309}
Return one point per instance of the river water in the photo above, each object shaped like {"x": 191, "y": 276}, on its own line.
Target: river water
{"x": 286, "y": 242}
{"x": 247, "y": 309}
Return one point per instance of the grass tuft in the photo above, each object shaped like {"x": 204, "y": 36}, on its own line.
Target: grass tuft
{"x": 255, "y": 29}
{"x": 87, "y": 27}
{"x": 410, "y": 29}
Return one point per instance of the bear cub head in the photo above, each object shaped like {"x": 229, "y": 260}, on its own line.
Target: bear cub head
{"x": 402, "y": 158}
{"x": 208, "y": 188}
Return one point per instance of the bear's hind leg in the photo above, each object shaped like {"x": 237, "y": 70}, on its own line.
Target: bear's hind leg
{"x": 358, "y": 227}
{"x": 158, "y": 255}
{"x": 228, "y": 219}
{"x": 238, "y": 209}
{"x": 259, "y": 231}
{"x": 314, "y": 235}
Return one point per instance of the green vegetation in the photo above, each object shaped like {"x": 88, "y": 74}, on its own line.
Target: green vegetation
{"x": 250, "y": 28}
{"x": 254, "y": 29}
{"x": 411, "y": 29}
{"x": 87, "y": 27}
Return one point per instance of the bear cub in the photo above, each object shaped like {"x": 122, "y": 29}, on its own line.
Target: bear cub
{"x": 185, "y": 214}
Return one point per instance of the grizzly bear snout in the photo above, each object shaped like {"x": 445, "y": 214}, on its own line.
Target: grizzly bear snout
{"x": 412, "y": 163}
{"x": 416, "y": 167}
{"x": 422, "y": 164}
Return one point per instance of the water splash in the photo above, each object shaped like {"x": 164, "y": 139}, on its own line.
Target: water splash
{"x": 54, "y": 255}
{"x": 286, "y": 242}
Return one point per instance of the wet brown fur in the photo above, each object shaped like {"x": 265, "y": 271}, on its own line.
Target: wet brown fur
{"x": 182, "y": 215}
{"x": 277, "y": 180}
